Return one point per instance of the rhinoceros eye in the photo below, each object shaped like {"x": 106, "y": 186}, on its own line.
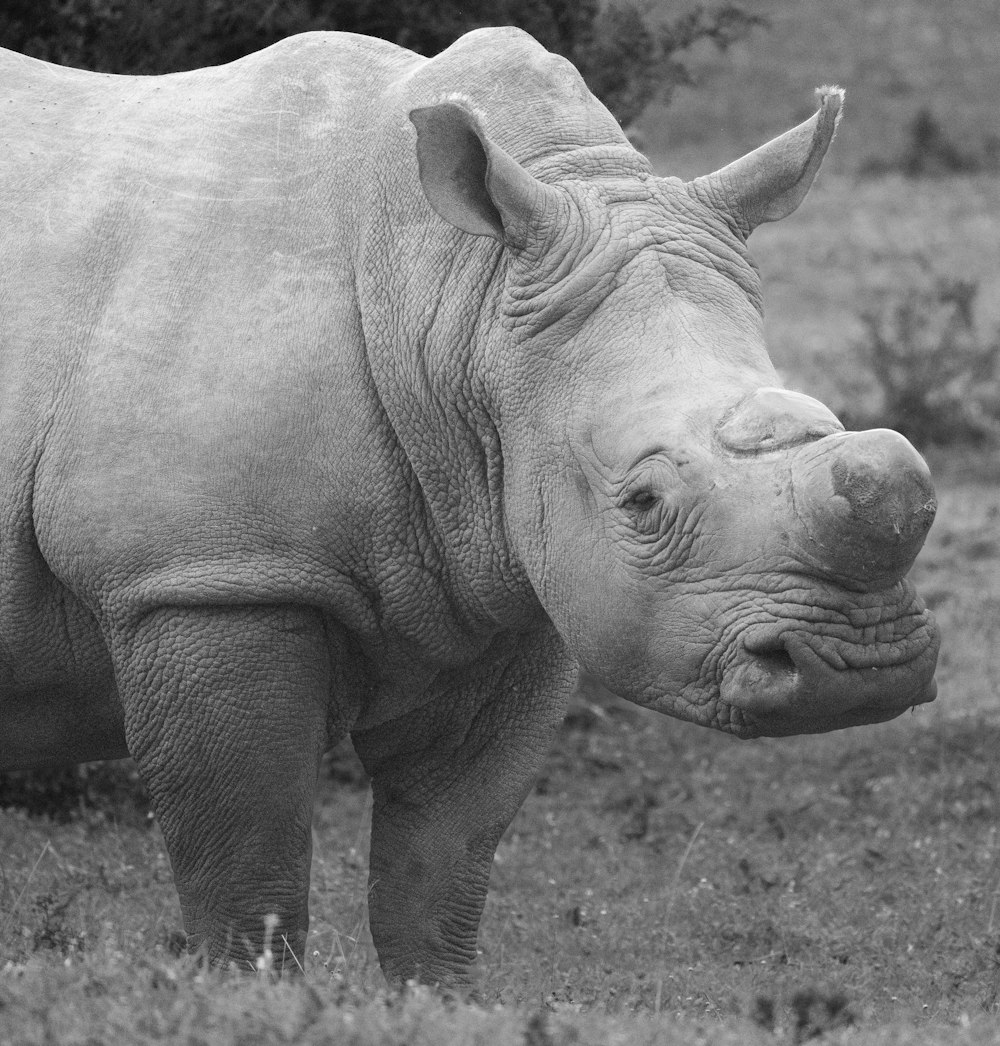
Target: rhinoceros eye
{"x": 640, "y": 501}
{"x": 646, "y": 494}
{"x": 647, "y": 512}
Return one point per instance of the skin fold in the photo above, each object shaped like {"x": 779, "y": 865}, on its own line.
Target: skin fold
{"x": 344, "y": 390}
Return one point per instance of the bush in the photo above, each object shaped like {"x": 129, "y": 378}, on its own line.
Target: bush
{"x": 629, "y": 51}
{"x": 936, "y": 373}
{"x": 110, "y": 791}
{"x": 632, "y": 53}
{"x": 930, "y": 152}
{"x": 114, "y": 790}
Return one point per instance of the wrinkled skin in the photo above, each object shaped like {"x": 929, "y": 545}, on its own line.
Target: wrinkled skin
{"x": 333, "y": 403}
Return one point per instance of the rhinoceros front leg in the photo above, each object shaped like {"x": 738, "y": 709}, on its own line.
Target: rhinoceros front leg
{"x": 447, "y": 781}
{"x": 225, "y": 715}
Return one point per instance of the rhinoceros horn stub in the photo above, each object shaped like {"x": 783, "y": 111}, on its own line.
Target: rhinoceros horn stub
{"x": 866, "y": 501}
{"x": 772, "y": 181}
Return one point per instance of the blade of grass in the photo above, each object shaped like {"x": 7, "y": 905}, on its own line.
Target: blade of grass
{"x": 34, "y": 868}
{"x": 680, "y": 871}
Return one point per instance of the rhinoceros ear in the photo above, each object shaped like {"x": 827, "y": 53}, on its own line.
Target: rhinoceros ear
{"x": 470, "y": 181}
{"x": 772, "y": 181}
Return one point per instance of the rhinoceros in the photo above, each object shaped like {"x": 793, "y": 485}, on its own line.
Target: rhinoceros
{"x": 345, "y": 390}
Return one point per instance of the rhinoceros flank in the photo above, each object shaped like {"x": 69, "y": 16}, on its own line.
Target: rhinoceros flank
{"x": 345, "y": 390}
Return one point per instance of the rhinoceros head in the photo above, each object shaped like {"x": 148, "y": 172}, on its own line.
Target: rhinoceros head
{"x": 707, "y": 543}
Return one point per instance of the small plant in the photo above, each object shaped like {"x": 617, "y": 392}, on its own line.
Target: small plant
{"x": 937, "y": 374}
{"x": 55, "y": 931}
{"x": 813, "y": 1013}
{"x": 930, "y": 151}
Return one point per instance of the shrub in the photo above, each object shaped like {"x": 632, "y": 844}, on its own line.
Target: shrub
{"x": 93, "y": 790}
{"x": 115, "y": 791}
{"x": 930, "y": 152}
{"x": 632, "y": 52}
{"x": 936, "y": 373}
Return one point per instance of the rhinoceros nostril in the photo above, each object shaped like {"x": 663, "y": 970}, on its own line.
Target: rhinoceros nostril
{"x": 763, "y": 678}
{"x": 774, "y": 660}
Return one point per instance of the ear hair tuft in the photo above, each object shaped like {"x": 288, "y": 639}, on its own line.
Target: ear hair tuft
{"x": 458, "y": 98}
{"x": 836, "y": 96}
{"x": 822, "y": 93}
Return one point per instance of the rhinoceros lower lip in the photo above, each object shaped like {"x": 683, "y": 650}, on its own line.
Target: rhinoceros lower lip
{"x": 785, "y": 687}
{"x": 781, "y": 724}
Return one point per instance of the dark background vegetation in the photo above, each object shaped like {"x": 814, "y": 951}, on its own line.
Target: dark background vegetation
{"x": 629, "y": 53}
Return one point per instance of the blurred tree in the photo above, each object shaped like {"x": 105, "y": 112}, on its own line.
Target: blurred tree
{"x": 629, "y": 51}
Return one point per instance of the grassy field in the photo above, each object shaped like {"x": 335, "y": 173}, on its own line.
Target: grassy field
{"x": 663, "y": 884}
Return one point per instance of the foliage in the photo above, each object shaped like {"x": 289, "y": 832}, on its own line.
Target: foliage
{"x": 115, "y": 791}
{"x": 930, "y": 151}
{"x": 939, "y": 376}
{"x": 628, "y": 50}
{"x": 94, "y": 790}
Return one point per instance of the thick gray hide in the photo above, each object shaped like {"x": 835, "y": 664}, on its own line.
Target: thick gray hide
{"x": 345, "y": 390}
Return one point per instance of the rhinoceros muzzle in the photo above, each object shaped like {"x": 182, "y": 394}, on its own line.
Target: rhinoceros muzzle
{"x": 861, "y": 504}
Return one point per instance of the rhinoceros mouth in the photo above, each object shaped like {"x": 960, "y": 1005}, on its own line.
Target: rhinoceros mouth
{"x": 796, "y": 678}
